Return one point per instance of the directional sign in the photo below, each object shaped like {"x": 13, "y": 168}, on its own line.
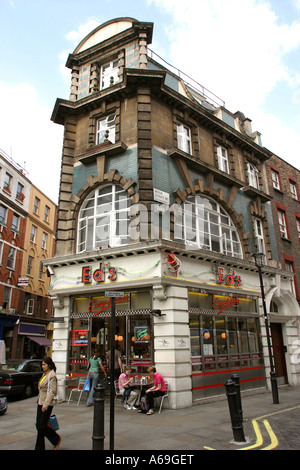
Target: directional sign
{"x": 114, "y": 293}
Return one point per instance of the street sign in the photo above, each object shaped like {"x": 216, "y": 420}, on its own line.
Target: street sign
{"x": 114, "y": 293}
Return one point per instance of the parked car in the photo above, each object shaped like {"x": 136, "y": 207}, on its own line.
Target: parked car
{"x": 3, "y": 405}
{"x": 20, "y": 377}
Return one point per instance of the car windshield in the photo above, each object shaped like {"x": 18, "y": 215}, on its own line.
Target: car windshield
{"x": 12, "y": 365}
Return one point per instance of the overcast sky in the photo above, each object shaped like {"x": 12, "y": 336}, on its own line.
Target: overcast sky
{"x": 247, "y": 52}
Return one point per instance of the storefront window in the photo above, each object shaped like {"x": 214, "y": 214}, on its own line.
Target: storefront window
{"x": 90, "y": 330}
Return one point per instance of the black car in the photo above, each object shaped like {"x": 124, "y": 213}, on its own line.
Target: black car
{"x": 20, "y": 377}
{"x": 3, "y": 405}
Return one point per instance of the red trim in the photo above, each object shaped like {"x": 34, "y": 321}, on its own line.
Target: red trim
{"x": 226, "y": 371}
{"x": 222, "y": 384}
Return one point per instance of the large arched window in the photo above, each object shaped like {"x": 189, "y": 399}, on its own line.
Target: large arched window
{"x": 103, "y": 219}
{"x": 206, "y": 225}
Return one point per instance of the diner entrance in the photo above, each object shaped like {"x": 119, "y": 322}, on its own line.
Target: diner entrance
{"x": 90, "y": 331}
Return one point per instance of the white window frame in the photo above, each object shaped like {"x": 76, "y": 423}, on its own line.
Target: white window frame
{"x": 3, "y": 215}
{"x": 109, "y": 70}
{"x": 275, "y": 179}
{"x": 293, "y": 189}
{"x": 30, "y": 261}
{"x": 289, "y": 266}
{"x": 15, "y": 226}
{"x": 206, "y": 225}
{"x": 184, "y": 138}
{"x": 259, "y": 234}
{"x": 106, "y": 129}
{"x": 7, "y": 297}
{"x": 44, "y": 240}
{"x": 103, "y": 219}
{"x": 33, "y": 233}
{"x": 11, "y": 258}
{"x": 30, "y": 307}
{"x": 7, "y": 182}
{"x": 253, "y": 175}
{"x": 298, "y": 227}
{"x": 223, "y": 162}
{"x": 46, "y": 213}
{"x": 282, "y": 223}
{"x": 36, "y": 205}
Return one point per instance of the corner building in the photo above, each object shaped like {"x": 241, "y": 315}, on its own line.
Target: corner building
{"x": 164, "y": 197}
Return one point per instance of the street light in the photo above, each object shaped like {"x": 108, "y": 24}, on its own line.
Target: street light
{"x": 259, "y": 263}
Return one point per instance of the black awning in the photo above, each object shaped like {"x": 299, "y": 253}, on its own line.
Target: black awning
{"x": 41, "y": 340}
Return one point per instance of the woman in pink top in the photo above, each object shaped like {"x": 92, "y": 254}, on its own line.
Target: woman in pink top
{"x": 158, "y": 390}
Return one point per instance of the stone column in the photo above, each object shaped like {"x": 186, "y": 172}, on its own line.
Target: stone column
{"x": 60, "y": 347}
{"x": 172, "y": 355}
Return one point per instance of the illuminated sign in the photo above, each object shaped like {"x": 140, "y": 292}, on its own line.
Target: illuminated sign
{"x": 96, "y": 306}
{"x": 99, "y": 275}
{"x": 223, "y": 304}
{"x": 229, "y": 279}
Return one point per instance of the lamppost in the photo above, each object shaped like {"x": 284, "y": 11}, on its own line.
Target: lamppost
{"x": 259, "y": 263}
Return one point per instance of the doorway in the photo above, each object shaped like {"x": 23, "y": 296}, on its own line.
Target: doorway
{"x": 279, "y": 353}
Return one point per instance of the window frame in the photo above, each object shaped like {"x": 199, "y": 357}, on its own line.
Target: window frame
{"x": 111, "y": 71}
{"x": 253, "y": 175}
{"x": 104, "y": 125}
{"x": 259, "y": 235}
{"x": 223, "y": 160}
{"x": 184, "y": 141}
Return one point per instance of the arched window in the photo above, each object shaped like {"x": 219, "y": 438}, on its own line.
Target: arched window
{"x": 103, "y": 219}
{"x": 207, "y": 226}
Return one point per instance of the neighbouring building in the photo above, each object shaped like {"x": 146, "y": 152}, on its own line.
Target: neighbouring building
{"x": 164, "y": 198}
{"x": 27, "y": 227}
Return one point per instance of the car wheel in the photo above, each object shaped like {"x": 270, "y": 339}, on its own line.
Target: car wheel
{"x": 28, "y": 391}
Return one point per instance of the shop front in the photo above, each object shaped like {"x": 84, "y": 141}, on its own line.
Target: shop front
{"x": 225, "y": 339}
{"x": 90, "y": 330}
{"x": 198, "y": 324}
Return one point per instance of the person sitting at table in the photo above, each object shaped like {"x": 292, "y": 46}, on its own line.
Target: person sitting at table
{"x": 158, "y": 389}
{"x": 133, "y": 396}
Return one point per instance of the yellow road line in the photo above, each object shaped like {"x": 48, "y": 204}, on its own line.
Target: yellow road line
{"x": 259, "y": 438}
{"x": 274, "y": 440}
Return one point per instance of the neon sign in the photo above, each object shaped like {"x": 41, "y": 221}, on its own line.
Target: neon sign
{"x": 224, "y": 304}
{"x": 230, "y": 279}
{"x": 96, "y": 306}
{"x": 99, "y": 274}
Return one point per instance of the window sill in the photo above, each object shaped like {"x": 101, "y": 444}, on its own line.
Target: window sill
{"x": 107, "y": 148}
{"x": 253, "y": 192}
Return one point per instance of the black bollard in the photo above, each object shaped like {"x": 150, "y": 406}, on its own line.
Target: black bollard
{"x": 235, "y": 378}
{"x": 98, "y": 425}
{"x": 236, "y": 422}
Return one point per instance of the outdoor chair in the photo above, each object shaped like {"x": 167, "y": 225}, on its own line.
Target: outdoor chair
{"x": 79, "y": 389}
{"x": 163, "y": 396}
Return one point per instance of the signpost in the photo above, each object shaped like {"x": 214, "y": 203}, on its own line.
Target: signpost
{"x": 112, "y": 295}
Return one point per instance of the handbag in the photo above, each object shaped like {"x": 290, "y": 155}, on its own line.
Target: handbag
{"x": 53, "y": 423}
{"x": 86, "y": 387}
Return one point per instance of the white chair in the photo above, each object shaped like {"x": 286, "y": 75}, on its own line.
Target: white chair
{"x": 163, "y": 396}
{"x": 78, "y": 389}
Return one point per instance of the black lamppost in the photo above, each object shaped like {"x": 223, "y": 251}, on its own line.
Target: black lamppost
{"x": 259, "y": 263}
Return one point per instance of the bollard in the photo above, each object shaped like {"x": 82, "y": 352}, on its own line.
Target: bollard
{"x": 235, "y": 378}
{"x": 98, "y": 425}
{"x": 236, "y": 422}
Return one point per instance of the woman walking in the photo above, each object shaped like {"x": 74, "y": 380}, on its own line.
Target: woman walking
{"x": 47, "y": 391}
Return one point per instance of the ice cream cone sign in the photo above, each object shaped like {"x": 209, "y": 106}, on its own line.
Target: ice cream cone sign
{"x": 173, "y": 263}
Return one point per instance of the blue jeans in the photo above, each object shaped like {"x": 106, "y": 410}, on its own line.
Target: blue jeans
{"x": 93, "y": 376}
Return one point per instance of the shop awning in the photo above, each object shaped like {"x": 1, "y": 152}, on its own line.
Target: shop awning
{"x": 41, "y": 340}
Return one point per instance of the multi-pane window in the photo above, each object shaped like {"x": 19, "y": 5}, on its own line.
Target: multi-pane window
{"x": 289, "y": 265}
{"x": 30, "y": 307}
{"x": 3, "y": 214}
{"x": 15, "y": 223}
{"x": 298, "y": 227}
{"x": 36, "y": 205}
{"x": 46, "y": 214}
{"x": 6, "y": 297}
{"x": 103, "y": 219}
{"x": 109, "y": 74}
{"x": 282, "y": 223}
{"x": 29, "y": 265}
{"x": 11, "y": 259}
{"x": 275, "y": 179}
{"x": 7, "y": 182}
{"x": 33, "y": 233}
{"x": 106, "y": 129}
{"x": 184, "y": 138}
{"x": 44, "y": 240}
{"x": 259, "y": 234}
{"x": 204, "y": 224}
{"x": 223, "y": 159}
{"x": 84, "y": 82}
{"x": 293, "y": 189}
{"x": 253, "y": 176}
{"x": 20, "y": 192}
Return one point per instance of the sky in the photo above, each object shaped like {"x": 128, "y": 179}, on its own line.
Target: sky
{"x": 245, "y": 52}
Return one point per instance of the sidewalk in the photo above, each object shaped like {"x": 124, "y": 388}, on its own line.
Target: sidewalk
{"x": 196, "y": 428}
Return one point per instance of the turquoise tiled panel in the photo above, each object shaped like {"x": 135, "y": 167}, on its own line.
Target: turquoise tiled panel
{"x": 80, "y": 174}
{"x": 165, "y": 174}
